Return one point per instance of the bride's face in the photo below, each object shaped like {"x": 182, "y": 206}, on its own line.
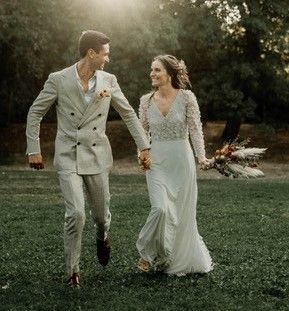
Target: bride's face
{"x": 159, "y": 74}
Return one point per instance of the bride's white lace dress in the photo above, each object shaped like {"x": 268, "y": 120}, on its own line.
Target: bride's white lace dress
{"x": 170, "y": 240}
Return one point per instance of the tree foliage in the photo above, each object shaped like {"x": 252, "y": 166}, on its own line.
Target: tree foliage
{"x": 257, "y": 49}
{"x": 236, "y": 51}
{"x": 35, "y": 39}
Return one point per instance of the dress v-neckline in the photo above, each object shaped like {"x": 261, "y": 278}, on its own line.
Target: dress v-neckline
{"x": 171, "y": 105}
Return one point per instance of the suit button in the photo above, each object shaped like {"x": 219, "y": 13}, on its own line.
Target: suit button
{"x": 79, "y": 128}
{"x": 72, "y": 113}
{"x": 94, "y": 145}
{"x": 99, "y": 115}
{"x": 78, "y": 143}
{"x": 94, "y": 128}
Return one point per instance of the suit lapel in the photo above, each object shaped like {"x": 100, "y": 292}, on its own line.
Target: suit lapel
{"x": 73, "y": 89}
{"x": 96, "y": 100}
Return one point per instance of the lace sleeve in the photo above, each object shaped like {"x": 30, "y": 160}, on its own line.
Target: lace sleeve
{"x": 194, "y": 125}
{"x": 143, "y": 107}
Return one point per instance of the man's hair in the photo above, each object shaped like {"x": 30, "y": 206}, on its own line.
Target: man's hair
{"x": 91, "y": 39}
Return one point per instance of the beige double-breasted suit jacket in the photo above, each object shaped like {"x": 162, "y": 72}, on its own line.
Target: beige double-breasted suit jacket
{"x": 81, "y": 144}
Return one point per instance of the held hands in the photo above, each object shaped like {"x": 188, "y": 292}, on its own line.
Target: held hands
{"x": 36, "y": 161}
{"x": 144, "y": 159}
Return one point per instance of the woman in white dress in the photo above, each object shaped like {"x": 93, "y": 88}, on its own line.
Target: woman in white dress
{"x": 170, "y": 241}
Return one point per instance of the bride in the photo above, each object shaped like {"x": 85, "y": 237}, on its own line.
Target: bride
{"x": 170, "y": 241}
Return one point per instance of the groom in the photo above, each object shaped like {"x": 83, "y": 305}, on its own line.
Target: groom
{"x": 83, "y": 94}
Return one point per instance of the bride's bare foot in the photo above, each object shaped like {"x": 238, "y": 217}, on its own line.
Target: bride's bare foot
{"x": 143, "y": 265}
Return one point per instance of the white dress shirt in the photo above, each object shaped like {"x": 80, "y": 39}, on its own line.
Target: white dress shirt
{"x": 91, "y": 86}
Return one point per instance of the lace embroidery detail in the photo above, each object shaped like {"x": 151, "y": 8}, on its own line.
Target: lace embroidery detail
{"x": 168, "y": 129}
{"x": 143, "y": 108}
{"x": 182, "y": 121}
{"x": 193, "y": 116}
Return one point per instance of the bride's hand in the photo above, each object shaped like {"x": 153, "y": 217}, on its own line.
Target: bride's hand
{"x": 205, "y": 163}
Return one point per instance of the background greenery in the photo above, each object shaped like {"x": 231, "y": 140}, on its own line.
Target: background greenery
{"x": 243, "y": 222}
{"x": 237, "y": 51}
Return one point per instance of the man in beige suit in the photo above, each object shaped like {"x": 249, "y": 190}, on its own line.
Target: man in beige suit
{"x": 83, "y": 94}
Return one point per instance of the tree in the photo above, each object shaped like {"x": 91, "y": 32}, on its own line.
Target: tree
{"x": 256, "y": 45}
{"x": 34, "y": 39}
{"x": 247, "y": 79}
{"x": 236, "y": 51}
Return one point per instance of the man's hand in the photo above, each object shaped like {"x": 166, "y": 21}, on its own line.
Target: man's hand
{"x": 35, "y": 161}
{"x": 144, "y": 159}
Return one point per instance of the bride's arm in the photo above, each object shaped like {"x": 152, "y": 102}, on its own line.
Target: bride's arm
{"x": 145, "y": 124}
{"x": 143, "y": 107}
{"x": 195, "y": 126}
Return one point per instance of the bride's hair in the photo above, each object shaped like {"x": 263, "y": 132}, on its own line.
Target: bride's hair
{"x": 177, "y": 70}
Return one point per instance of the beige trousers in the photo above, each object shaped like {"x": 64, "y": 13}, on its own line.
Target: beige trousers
{"x": 73, "y": 188}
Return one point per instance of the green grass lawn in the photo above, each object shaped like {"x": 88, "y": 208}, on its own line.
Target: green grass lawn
{"x": 245, "y": 224}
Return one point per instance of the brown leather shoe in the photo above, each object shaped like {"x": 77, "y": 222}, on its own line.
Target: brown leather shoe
{"x": 74, "y": 281}
{"x": 103, "y": 251}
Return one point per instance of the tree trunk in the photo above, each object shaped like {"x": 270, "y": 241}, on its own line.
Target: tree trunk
{"x": 5, "y": 107}
{"x": 231, "y": 129}
{"x": 6, "y": 73}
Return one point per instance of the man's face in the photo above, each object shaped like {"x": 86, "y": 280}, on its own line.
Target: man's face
{"x": 98, "y": 60}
